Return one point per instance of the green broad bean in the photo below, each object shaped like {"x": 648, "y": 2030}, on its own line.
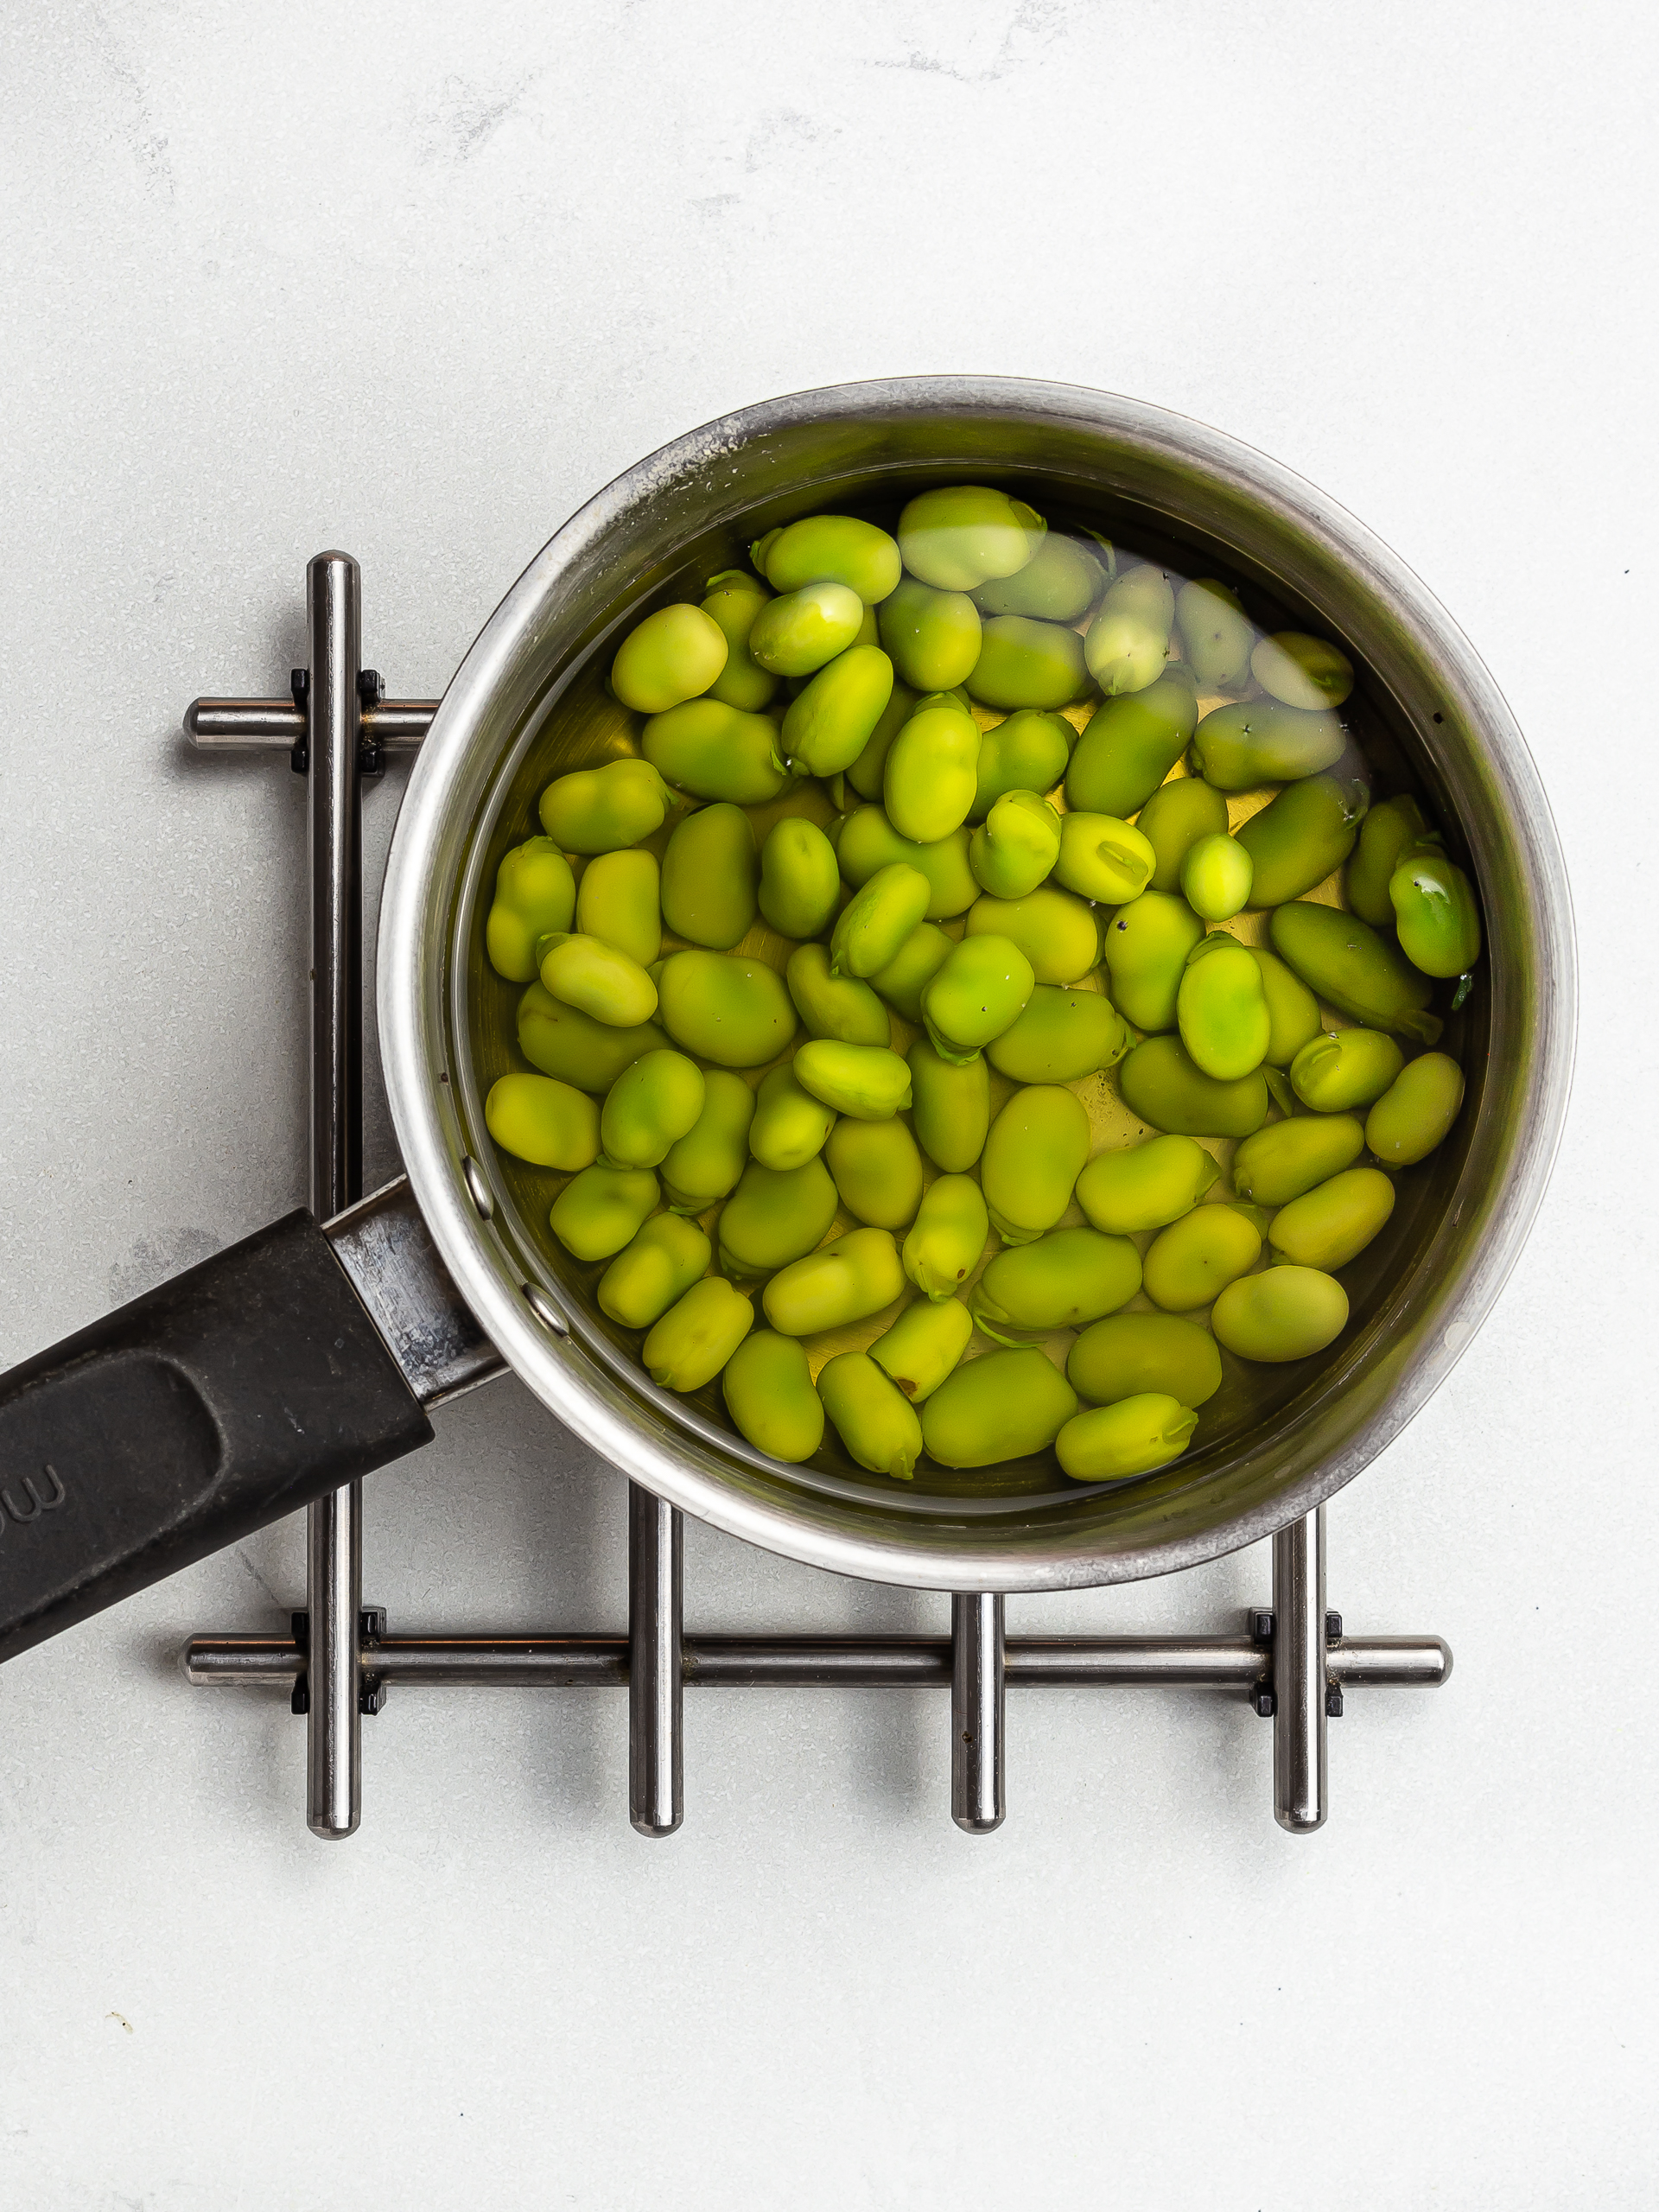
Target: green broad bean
{"x": 619, "y": 902}
{"x": 538, "y": 1118}
{"x": 789, "y": 1124}
{"x": 1301, "y": 836}
{"x": 535, "y": 897}
{"x": 923, "y": 1345}
{"x": 871, "y": 927}
{"x": 1129, "y": 745}
{"x": 931, "y": 637}
{"x": 1172, "y": 820}
{"x": 872, "y": 1416}
{"x": 674, "y": 654}
{"x": 980, "y": 989}
{"x": 1100, "y": 858}
{"x": 1259, "y": 741}
{"x": 697, "y": 1335}
{"x": 1034, "y": 1154}
{"x": 840, "y": 1006}
{"x": 1058, "y": 931}
{"x": 907, "y": 975}
{"x": 1027, "y": 752}
{"x": 1283, "y": 1313}
{"x": 1417, "y": 1110}
{"x": 847, "y": 1281}
{"x": 1128, "y": 1353}
{"x": 775, "y": 1215}
{"x": 1063, "y": 1280}
{"x": 660, "y": 1265}
{"x": 1215, "y": 633}
{"x": 877, "y": 1170}
{"x": 564, "y": 1042}
{"x": 1016, "y": 846}
{"x": 1005, "y": 1405}
{"x": 767, "y": 1387}
{"x": 1145, "y": 948}
{"x": 928, "y": 787}
{"x": 597, "y": 979}
{"x": 1128, "y": 642}
{"x": 1277, "y": 1165}
{"x": 950, "y": 1107}
{"x": 1061, "y": 1037}
{"x": 1135, "y": 1436}
{"x": 966, "y": 535}
{"x": 601, "y": 809}
{"x": 1436, "y": 914}
{"x": 1144, "y": 1185}
{"x": 1216, "y": 878}
{"x": 709, "y": 877}
{"x": 867, "y": 1081}
{"x": 705, "y": 1162}
{"x": 1195, "y": 1258}
{"x": 1221, "y": 1008}
{"x": 1160, "y": 1084}
{"x": 833, "y": 550}
{"x": 716, "y": 752}
{"x": 1060, "y": 582}
{"x": 602, "y": 1208}
{"x": 799, "y": 630}
{"x": 800, "y": 881}
{"x": 1330, "y": 1225}
{"x": 1023, "y": 661}
{"x": 650, "y": 1106}
{"x": 1345, "y": 1069}
{"x": 1301, "y": 670}
{"x": 733, "y": 600}
{"x": 867, "y": 841}
{"x": 726, "y": 1008}
{"x": 829, "y": 723}
{"x": 1351, "y": 967}
{"x": 1386, "y": 835}
{"x": 948, "y": 1237}
{"x": 867, "y": 772}
{"x": 1293, "y": 1010}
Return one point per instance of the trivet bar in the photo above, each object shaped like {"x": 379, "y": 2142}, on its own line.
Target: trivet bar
{"x": 655, "y": 1664}
{"x": 903, "y": 1663}
{"x": 1302, "y": 1685}
{"x": 277, "y": 725}
{"x": 978, "y": 1678}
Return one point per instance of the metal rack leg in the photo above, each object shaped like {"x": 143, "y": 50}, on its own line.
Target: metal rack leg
{"x": 978, "y": 1678}
{"x": 334, "y": 1525}
{"x": 656, "y": 1664}
{"x": 1299, "y": 1683}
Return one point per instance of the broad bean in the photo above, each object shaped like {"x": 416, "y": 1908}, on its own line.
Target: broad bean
{"x": 965, "y": 534}
{"x": 1061, "y": 1037}
{"x": 1215, "y": 633}
{"x": 538, "y": 1118}
{"x": 1277, "y": 1165}
{"x": 714, "y": 751}
{"x": 872, "y": 925}
{"x": 1063, "y": 1281}
{"x": 950, "y": 1107}
{"x": 1058, "y": 931}
{"x": 767, "y": 1387}
{"x": 800, "y": 882}
{"x": 1173, "y": 819}
{"x": 705, "y": 1162}
{"x": 1003, "y": 1406}
{"x": 652, "y": 1105}
{"x": 602, "y": 1208}
{"x": 1101, "y": 858}
{"x": 840, "y": 1006}
{"x": 928, "y": 787}
{"x": 1034, "y": 1154}
{"x": 1283, "y": 1313}
{"x": 1129, "y": 745}
{"x": 709, "y": 877}
{"x": 596, "y": 979}
{"x": 674, "y": 654}
{"x": 867, "y": 1081}
{"x": 1027, "y": 752}
{"x": 1144, "y": 1185}
{"x": 907, "y": 975}
{"x": 867, "y": 841}
{"x": 980, "y": 989}
{"x": 829, "y": 724}
{"x": 834, "y": 548}
{"x": 1128, "y": 1353}
{"x": 564, "y": 1042}
{"x": 1293, "y": 1010}
{"x": 601, "y": 809}
{"x": 733, "y": 600}
{"x": 697, "y": 1335}
{"x": 619, "y": 902}
{"x": 535, "y": 897}
{"x": 1346, "y": 1068}
{"x": 1333, "y": 1222}
{"x": 923, "y": 1345}
{"x": 1133, "y": 1437}
{"x": 877, "y": 1170}
{"x": 1160, "y": 1084}
{"x": 1023, "y": 661}
{"x": 1387, "y": 834}
{"x": 1416, "y": 1112}
{"x": 775, "y": 1215}
{"x": 872, "y": 1416}
{"x": 726, "y": 1008}
{"x": 1216, "y": 878}
{"x": 1301, "y": 836}
{"x": 1059, "y": 582}
{"x": 790, "y": 1125}
{"x": 1351, "y": 967}
{"x": 800, "y": 629}
{"x": 1222, "y": 1010}
{"x": 1128, "y": 642}
{"x": 660, "y": 1265}
{"x": 948, "y": 1237}
{"x": 1435, "y": 915}
{"x": 1301, "y": 670}
{"x": 932, "y": 637}
{"x": 1195, "y": 1258}
{"x": 1259, "y": 742}
{"x": 849, "y": 1280}
{"x": 1017, "y": 844}
{"x": 867, "y": 772}
{"x": 1145, "y": 948}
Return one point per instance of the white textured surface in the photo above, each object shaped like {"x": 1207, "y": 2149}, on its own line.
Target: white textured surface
{"x": 414, "y": 280}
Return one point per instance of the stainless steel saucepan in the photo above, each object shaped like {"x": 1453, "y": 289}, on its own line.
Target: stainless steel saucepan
{"x": 303, "y": 1357}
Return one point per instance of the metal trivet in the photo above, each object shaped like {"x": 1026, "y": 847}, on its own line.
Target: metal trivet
{"x": 1294, "y": 1660}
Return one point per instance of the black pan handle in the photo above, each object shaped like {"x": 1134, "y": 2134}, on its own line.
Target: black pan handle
{"x": 221, "y": 1401}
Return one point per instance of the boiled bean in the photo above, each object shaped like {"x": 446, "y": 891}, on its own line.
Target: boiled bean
{"x": 1027, "y": 752}
{"x": 867, "y": 772}
{"x": 800, "y": 881}
{"x": 619, "y": 901}
{"x": 829, "y": 723}
{"x": 867, "y": 1081}
{"x": 1059, "y": 582}
{"x": 1346, "y": 1068}
{"x": 1017, "y": 844}
{"x": 1221, "y": 1010}
{"x": 1160, "y": 1084}
{"x": 767, "y": 1387}
{"x": 873, "y": 925}
{"x": 602, "y": 1208}
{"x": 945, "y": 1242}
{"x": 1034, "y": 1154}
{"x": 789, "y": 1124}
{"x": 601, "y": 809}
{"x": 1128, "y": 642}
{"x": 1063, "y": 1281}
{"x": 726, "y": 1008}
{"x": 1415, "y": 1113}
{"x": 867, "y": 841}
{"x": 775, "y": 1215}
{"x": 535, "y": 897}
{"x": 705, "y": 1162}
{"x": 965, "y": 534}
{"x": 1286, "y": 1312}
{"x": 536, "y": 1117}
{"x": 1057, "y": 931}
{"x": 1135, "y": 1436}
{"x": 979, "y": 990}
{"x": 733, "y": 599}
{"x": 1279, "y": 1164}
{"x": 1144, "y": 1185}
{"x": 1215, "y": 633}
{"x": 674, "y": 654}
{"x": 835, "y": 1006}
{"x": 660, "y": 1265}
{"x": 1061, "y": 1037}
{"x": 1128, "y": 1353}
{"x": 1333, "y": 1222}
{"x": 950, "y": 1107}
{"x": 1003, "y": 1406}
{"x": 1351, "y": 967}
{"x": 1387, "y": 834}
{"x": 562, "y": 1041}
{"x": 1301, "y": 670}
{"x": 872, "y": 1416}
{"x": 1293, "y": 1010}
{"x": 833, "y": 549}
{"x": 923, "y": 1345}
{"x": 597, "y": 980}
{"x": 877, "y": 1170}
{"x": 1145, "y": 947}
{"x": 1216, "y": 878}
{"x": 907, "y": 975}
{"x": 1195, "y": 1258}
{"x": 1129, "y": 745}
{"x": 1435, "y": 915}
{"x": 714, "y": 751}
{"x": 1301, "y": 836}
{"x": 709, "y": 877}
{"x": 1259, "y": 742}
{"x": 928, "y": 787}
{"x": 848, "y": 1280}
{"x": 800, "y": 629}
{"x": 697, "y": 1335}
{"x": 1026, "y": 662}
{"x": 1101, "y": 858}
{"x": 1173, "y": 819}
{"x": 932, "y": 637}
{"x": 652, "y": 1105}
